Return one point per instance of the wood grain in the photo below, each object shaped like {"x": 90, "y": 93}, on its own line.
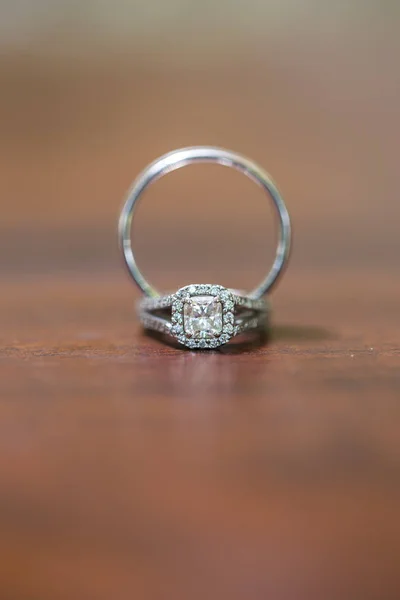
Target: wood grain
{"x": 132, "y": 469}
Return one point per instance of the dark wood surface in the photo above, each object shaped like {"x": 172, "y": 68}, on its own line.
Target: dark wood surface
{"x": 132, "y": 469}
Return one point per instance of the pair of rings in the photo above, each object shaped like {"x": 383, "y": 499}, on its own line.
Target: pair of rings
{"x": 204, "y": 315}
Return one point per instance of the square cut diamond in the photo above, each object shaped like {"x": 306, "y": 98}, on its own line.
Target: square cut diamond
{"x": 202, "y": 317}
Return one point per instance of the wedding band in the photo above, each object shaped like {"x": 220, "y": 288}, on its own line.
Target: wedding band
{"x": 180, "y": 158}
{"x": 199, "y": 315}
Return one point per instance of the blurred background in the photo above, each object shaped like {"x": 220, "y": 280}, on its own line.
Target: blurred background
{"x": 91, "y": 91}
{"x": 130, "y": 469}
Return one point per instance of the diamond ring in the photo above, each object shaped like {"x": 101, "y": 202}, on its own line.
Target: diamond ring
{"x": 204, "y": 316}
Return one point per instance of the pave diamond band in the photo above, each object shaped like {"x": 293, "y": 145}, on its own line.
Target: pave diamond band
{"x": 203, "y": 316}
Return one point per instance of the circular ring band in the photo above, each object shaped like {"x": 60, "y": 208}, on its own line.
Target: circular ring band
{"x": 203, "y": 316}
{"x": 180, "y": 158}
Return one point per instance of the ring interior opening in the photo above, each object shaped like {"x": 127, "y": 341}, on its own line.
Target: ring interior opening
{"x": 204, "y": 222}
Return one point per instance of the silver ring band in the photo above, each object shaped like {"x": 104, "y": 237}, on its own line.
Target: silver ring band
{"x": 179, "y": 158}
{"x": 203, "y": 316}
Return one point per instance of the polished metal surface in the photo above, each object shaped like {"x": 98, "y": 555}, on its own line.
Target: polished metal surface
{"x": 186, "y": 156}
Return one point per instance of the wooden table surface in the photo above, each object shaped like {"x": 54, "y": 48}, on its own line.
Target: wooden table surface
{"x": 132, "y": 469}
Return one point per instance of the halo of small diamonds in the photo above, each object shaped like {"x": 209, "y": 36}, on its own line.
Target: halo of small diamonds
{"x": 217, "y": 302}
{"x": 203, "y": 316}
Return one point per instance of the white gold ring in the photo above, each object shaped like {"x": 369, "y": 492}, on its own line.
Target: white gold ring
{"x": 200, "y": 315}
{"x": 203, "y": 316}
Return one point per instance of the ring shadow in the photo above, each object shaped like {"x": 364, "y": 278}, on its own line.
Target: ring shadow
{"x": 257, "y": 339}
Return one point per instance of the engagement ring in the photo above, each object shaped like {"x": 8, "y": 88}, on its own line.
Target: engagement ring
{"x": 204, "y": 315}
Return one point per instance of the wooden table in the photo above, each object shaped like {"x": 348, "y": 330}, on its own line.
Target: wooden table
{"x": 132, "y": 469}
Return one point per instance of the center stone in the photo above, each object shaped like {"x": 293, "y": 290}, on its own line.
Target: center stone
{"x": 202, "y": 317}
